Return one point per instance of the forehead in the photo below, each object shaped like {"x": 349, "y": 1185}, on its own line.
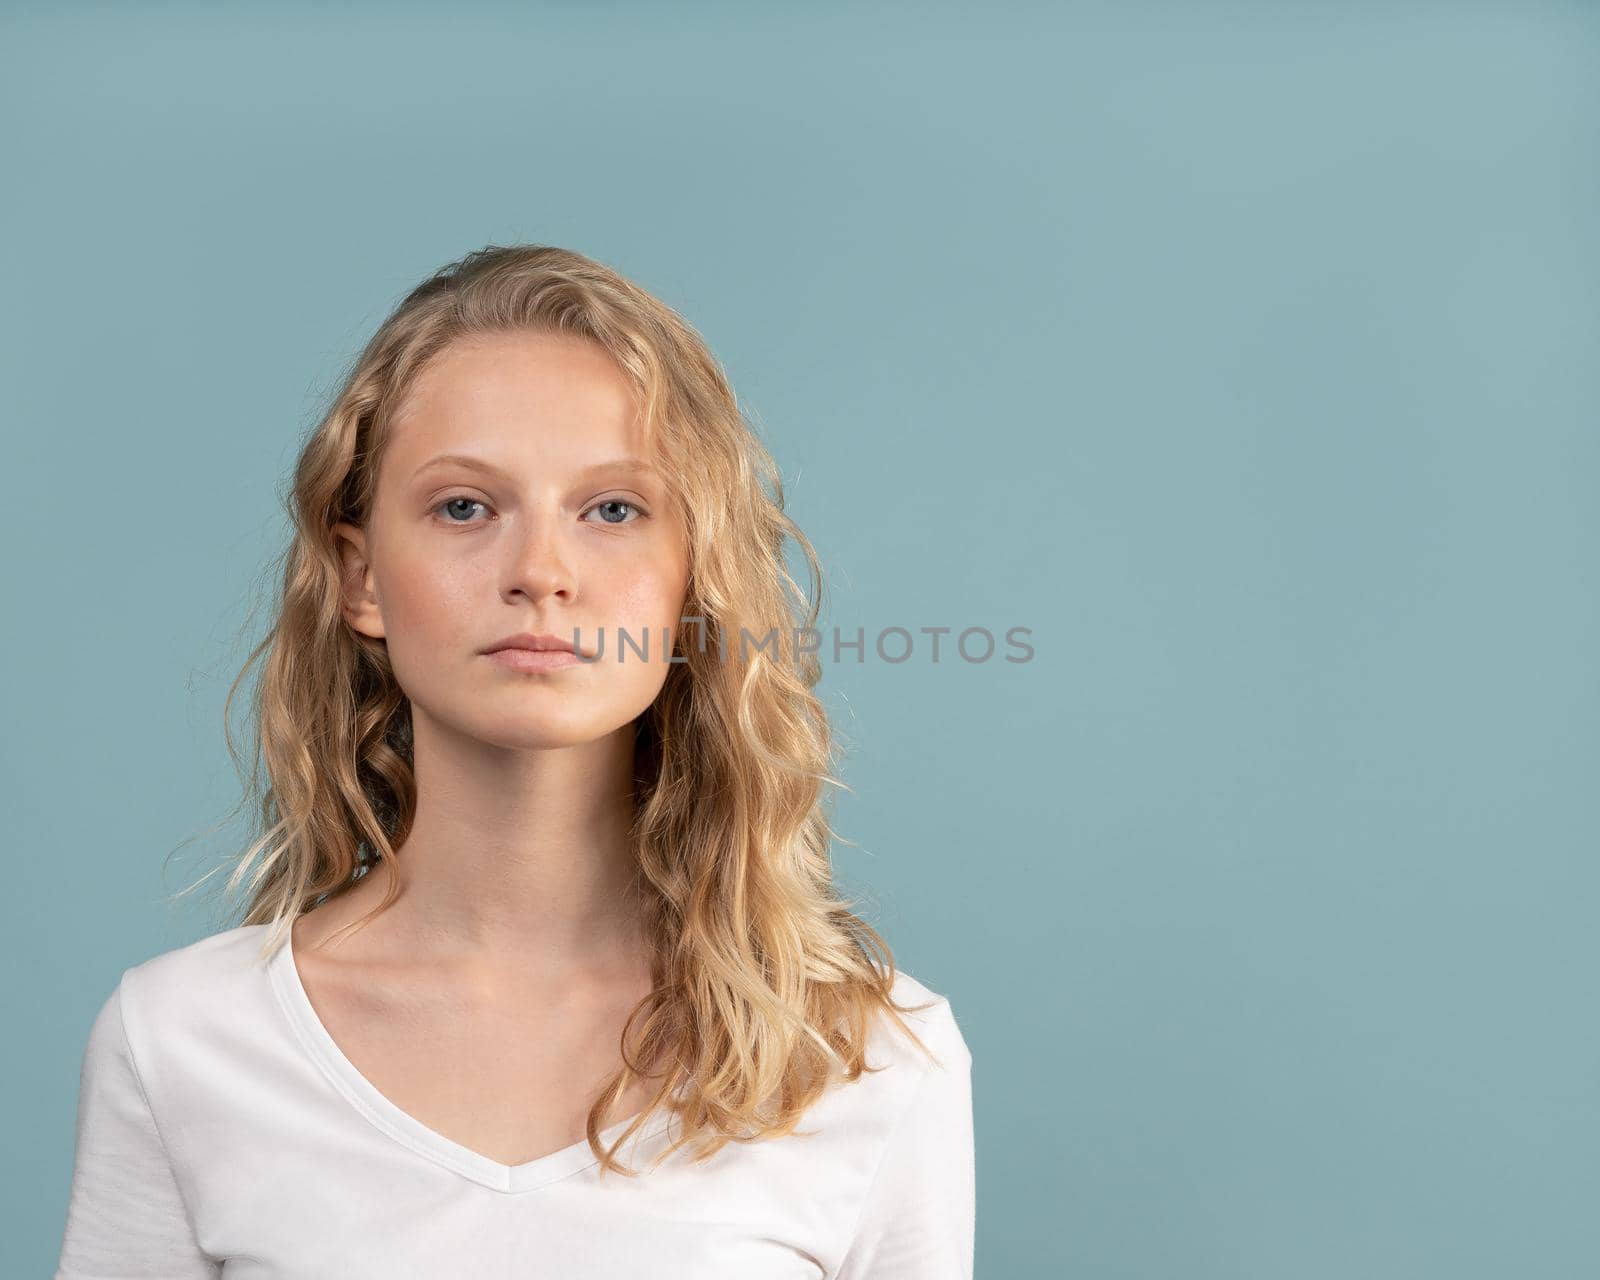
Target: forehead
{"x": 534, "y": 396}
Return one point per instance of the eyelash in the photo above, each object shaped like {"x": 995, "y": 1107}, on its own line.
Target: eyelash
{"x": 620, "y": 502}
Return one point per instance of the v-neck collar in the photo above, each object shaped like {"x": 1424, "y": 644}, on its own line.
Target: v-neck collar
{"x": 405, "y": 1128}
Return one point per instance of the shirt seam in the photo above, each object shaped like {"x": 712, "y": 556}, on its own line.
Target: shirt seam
{"x": 877, "y": 1169}
{"x": 155, "y": 1123}
{"x": 426, "y": 1144}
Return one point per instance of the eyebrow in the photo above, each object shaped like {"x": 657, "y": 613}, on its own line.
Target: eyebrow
{"x": 634, "y": 465}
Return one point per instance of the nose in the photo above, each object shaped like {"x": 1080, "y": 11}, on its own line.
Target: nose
{"x": 539, "y": 559}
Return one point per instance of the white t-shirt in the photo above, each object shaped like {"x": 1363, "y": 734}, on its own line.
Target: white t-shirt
{"x": 222, "y": 1132}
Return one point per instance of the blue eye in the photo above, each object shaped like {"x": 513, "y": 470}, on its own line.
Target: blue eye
{"x": 450, "y": 502}
{"x": 614, "y": 502}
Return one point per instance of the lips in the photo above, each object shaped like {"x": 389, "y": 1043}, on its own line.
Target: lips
{"x": 536, "y": 642}
{"x": 534, "y": 659}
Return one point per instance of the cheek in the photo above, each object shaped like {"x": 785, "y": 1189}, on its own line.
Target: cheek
{"x": 652, "y": 599}
{"x": 646, "y": 595}
{"x": 430, "y": 598}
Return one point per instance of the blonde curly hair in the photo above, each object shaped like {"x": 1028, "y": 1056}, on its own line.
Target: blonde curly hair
{"x": 765, "y": 982}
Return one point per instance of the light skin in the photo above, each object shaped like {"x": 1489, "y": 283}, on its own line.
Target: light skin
{"x": 506, "y": 967}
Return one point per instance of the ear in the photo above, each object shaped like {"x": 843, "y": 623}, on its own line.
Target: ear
{"x": 358, "y": 590}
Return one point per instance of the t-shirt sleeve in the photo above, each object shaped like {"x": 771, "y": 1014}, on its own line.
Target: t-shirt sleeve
{"x": 918, "y": 1216}
{"x": 125, "y": 1214}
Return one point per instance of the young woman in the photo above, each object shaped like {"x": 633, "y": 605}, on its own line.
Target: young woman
{"x": 542, "y": 972}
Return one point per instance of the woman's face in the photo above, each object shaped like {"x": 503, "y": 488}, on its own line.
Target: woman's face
{"x": 561, "y": 527}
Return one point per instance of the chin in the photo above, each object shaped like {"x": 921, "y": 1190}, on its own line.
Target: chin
{"x": 545, "y": 729}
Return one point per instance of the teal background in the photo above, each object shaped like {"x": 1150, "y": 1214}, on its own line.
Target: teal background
{"x": 1243, "y": 352}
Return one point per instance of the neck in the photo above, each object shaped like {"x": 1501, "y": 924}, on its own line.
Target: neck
{"x": 518, "y": 860}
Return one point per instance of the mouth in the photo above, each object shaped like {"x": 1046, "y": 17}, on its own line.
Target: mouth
{"x": 529, "y": 651}
{"x": 534, "y": 659}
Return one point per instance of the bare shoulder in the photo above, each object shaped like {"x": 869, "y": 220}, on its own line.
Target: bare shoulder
{"x": 355, "y": 970}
